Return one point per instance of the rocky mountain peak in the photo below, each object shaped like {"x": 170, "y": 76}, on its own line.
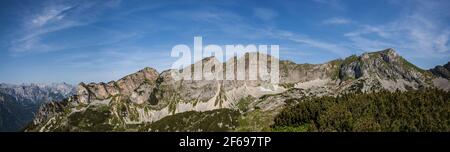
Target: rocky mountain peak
{"x": 388, "y": 55}
{"x": 124, "y": 86}
{"x": 389, "y": 51}
{"x": 442, "y": 71}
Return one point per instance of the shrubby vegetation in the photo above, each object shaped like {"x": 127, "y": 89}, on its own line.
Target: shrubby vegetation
{"x": 419, "y": 110}
{"x": 255, "y": 120}
{"x": 91, "y": 119}
{"x": 193, "y": 121}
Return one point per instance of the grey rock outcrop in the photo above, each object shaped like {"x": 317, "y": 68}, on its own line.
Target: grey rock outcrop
{"x": 139, "y": 82}
{"x": 442, "y": 71}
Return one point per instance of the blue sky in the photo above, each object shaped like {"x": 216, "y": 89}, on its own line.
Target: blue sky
{"x": 93, "y": 41}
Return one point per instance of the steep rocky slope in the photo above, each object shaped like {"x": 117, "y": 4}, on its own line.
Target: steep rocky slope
{"x": 139, "y": 100}
{"x": 442, "y": 71}
{"x": 443, "y": 76}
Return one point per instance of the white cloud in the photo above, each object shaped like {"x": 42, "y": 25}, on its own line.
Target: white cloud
{"x": 54, "y": 17}
{"x": 53, "y": 13}
{"x": 337, "y": 49}
{"x": 31, "y": 40}
{"x": 29, "y": 44}
{"x": 233, "y": 24}
{"x": 337, "y": 21}
{"x": 418, "y": 35}
{"x": 365, "y": 44}
{"x": 423, "y": 33}
{"x": 369, "y": 29}
{"x": 50, "y": 19}
{"x": 265, "y": 14}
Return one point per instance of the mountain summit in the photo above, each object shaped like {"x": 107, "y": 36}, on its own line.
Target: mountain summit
{"x": 147, "y": 100}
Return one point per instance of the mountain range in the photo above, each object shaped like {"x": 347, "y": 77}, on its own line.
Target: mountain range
{"x": 151, "y": 101}
{"x": 19, "y": 103}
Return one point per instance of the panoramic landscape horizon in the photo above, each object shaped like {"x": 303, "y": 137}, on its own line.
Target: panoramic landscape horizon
{"x": 100, "y": 41}
{"x": 225, "y": 66}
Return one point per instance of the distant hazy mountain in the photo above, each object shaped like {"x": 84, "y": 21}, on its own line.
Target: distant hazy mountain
{"x": 19, "y": 103}
{"x": 152, "y": 101}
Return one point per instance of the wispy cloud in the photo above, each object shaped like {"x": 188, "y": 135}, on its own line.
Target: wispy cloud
{"x": 337, "y": 21}
{"x": 28, "y": 44}
{"x": 31, "y": 40}
{"x": 224, "y": 21}
{"x": 52, "y": 18}
{"x": 113, "y": 58}
{"x": 116, "y": 61}
{"x": 234, "y": 24}
{"x": 265, "y": 14}
{"x": 418, "y": 34}
{"x": 53, "y": 13}
{"x": 338, "y": 49}
{"x": 381, "y": 30}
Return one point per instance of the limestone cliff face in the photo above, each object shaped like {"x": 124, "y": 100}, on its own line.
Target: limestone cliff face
{"x": 293, "y": 73}
{"x": 368, "y": 72}
{"x": 148, "y": 96}
{"x": 142, "y": 81}
{"x": 385, "y": 68}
